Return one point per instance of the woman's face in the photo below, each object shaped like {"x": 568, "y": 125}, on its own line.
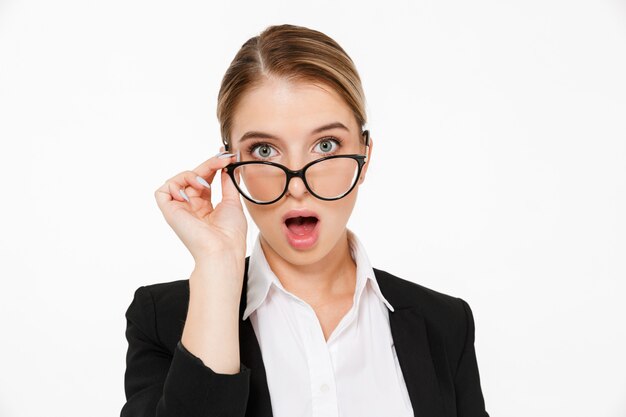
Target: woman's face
{"x": 280, "y": 121}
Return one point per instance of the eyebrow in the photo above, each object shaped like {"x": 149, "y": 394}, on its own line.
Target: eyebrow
{"x": 263, "y": 135}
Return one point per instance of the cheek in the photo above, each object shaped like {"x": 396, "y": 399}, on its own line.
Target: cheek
{"x": 335, "y": 214}
{"x": 339, "y": 213}
{"x": 267, "y": 220}
{"x": 260, "y": 214}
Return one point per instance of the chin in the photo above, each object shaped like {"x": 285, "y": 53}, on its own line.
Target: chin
{"x": 325, "y": 244}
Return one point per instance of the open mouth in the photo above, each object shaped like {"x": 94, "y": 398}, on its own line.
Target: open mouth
{"x": 301, "y": 225}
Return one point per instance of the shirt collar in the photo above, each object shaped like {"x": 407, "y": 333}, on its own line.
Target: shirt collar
{"x": 261, "y": 277}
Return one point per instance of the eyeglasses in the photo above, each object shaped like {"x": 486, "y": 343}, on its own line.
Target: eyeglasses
{"x": 327, "y": 178}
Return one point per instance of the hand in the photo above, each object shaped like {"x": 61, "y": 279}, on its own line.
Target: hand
{"x": 211, "y": 234}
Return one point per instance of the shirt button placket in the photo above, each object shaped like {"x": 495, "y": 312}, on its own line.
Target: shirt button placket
{"x": 321, "y": 371}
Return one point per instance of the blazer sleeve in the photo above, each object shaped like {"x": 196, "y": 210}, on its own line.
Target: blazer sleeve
{"x": 162, "y": 383}
{"x": 469, "y": 396}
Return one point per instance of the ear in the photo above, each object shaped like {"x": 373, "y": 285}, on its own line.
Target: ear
{"x": 367, "y": 164}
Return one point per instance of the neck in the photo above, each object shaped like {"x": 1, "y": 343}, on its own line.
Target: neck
{"x": 332, "y": 277}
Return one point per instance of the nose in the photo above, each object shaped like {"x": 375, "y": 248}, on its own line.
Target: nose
{"x": 296, "y": 188}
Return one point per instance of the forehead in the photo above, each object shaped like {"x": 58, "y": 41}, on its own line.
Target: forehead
{"x": 290, "y": 108}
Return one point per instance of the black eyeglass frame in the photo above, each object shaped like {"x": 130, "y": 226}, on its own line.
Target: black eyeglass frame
{"x": 301, "y": 173}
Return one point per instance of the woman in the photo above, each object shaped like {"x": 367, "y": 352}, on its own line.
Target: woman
{"x": 304, "y": 326}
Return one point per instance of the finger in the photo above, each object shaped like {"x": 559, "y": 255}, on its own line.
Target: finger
{"x": 171, "y": 190}
{"x": 208, "y": 168}
{"x": 165, "y": 194}
{"x": 199, "y": 179}
{"x": 229, "y": 191}
{"x": 193, "y": 179}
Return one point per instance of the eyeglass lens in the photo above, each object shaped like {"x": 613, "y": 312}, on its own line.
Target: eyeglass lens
{"x": 329, "y": 178}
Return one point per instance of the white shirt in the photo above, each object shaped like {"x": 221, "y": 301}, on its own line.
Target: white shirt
{"x": 354, "y": 374}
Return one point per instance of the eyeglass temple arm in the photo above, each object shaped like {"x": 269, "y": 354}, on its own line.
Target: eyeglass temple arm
{"x": 366, "y": 133}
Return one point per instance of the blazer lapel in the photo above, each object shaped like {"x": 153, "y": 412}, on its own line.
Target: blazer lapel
{"x": 410, "y": 337}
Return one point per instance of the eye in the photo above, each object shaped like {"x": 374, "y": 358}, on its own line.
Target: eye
{"x": 262, "y": 151}
{"x": 327, "y": 145}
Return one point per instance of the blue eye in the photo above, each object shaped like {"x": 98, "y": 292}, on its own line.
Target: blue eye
{"x": 262, "y": 151}
{"x": 327, "y": 145}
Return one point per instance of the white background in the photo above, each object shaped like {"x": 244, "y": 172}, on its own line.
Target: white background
{"x": 498, "y": 176}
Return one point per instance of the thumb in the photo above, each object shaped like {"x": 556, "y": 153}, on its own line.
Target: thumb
{"x": 229, "y": 191}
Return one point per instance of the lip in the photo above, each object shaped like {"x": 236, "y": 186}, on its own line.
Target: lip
{"x": 300, "y": 213}
{"x": 301, "y": 242}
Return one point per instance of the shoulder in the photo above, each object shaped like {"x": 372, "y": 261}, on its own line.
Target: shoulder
{"x": 444, "y": 314}
{"x": 160, "y": 309}
{"x": 406, "y": 293}
{"x": 167, "y": 293}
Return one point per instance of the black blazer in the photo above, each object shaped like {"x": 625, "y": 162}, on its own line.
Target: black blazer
{"x": 433, "y": 335}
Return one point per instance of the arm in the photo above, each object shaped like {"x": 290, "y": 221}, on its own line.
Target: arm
{"x": 469, "y": 396}
{"x": 159, "y": 384}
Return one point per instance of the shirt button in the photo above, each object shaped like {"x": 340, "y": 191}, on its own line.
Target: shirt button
{"x": 324, "y": 388}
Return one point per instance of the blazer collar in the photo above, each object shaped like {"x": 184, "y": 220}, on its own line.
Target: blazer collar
{"x": 410, "y": 336}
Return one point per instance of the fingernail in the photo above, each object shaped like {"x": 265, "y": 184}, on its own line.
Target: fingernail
{"x": 202, "y": 181}
{"x": 217, "y": 155}
{"x": 183, "y": 194}
{"x": 226, "y": 155}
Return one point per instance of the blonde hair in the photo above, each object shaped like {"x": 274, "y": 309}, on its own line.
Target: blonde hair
{"x": 297, "y": 54}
